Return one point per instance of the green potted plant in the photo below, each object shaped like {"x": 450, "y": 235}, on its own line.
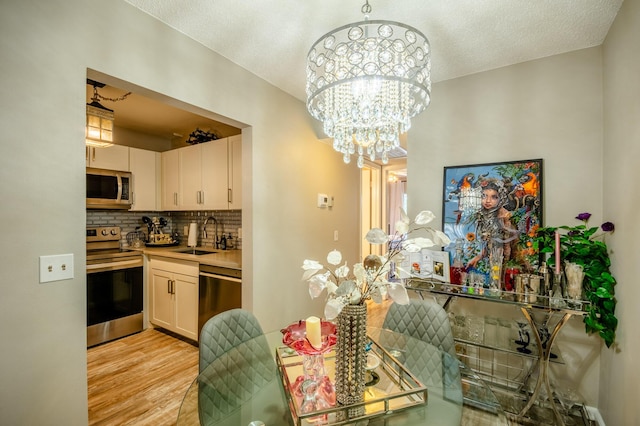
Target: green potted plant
{"x": 583, "y": 246}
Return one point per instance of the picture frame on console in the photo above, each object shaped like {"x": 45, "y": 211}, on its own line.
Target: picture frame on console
{"x": 491, "y": 212}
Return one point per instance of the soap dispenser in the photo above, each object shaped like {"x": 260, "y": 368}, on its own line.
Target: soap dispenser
{"x": 223, "y": 242}
{"x": 229, "y": 242}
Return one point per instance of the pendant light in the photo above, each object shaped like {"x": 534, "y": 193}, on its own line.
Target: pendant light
{"x": 365, "y": 82}
{"x": 99, "y": 126}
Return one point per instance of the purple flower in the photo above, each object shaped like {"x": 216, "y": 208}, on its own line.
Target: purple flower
{"x": 583, "y": 216}
{"x": 608, "y": 227}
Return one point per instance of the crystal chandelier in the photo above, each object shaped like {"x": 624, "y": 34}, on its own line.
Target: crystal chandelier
{"x": 365, "y": 81}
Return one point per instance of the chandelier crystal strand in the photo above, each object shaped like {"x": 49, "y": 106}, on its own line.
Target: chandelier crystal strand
{"x": 365, "y": 82}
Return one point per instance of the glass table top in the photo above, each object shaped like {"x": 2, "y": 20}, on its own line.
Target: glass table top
{"x": 244, "y": 387}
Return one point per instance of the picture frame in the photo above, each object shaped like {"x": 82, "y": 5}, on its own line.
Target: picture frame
{"x": 428, "y": 264}
{"x": 479, "y": 229}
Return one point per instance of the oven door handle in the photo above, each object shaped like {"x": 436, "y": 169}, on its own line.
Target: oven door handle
{"x": 110, "y": 266}
{"x": 221, "y": 277}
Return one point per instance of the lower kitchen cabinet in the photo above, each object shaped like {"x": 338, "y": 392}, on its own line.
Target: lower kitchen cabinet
{"x": 174, "y": 296}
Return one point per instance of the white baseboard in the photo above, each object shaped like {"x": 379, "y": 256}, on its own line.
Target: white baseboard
{"x": 594, "y": 414}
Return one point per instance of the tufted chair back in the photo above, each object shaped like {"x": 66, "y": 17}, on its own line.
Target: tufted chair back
{"x": 224, "y": 332}
{"x": 422, "y": 319}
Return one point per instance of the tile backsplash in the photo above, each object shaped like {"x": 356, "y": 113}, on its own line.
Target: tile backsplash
{"x": 228, "y": 223}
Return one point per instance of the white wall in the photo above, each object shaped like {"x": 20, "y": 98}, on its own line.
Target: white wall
{"x": 46, "y": 48}
{"x": 620, "y": 376}
{"x": 550, "y": 109}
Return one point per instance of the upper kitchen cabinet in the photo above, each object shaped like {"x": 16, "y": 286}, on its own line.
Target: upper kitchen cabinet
{"x": 206, "y": 176}
{"x": 234, "y": 194}
{"x": 171, "y": 180}
{"x": 114, "y": 157}
{"x": 203, "y": 173}
{"x": 145, "y": 168}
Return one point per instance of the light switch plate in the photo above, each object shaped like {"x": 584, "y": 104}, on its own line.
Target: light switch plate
{"x": 323, "y": 200}
{"x": 56, "y": 267}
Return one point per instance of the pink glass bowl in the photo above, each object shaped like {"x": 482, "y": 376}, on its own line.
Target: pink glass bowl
{"x": 295, "y": 337}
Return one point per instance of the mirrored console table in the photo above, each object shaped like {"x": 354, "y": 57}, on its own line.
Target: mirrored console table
{"x": 545, "y": 317}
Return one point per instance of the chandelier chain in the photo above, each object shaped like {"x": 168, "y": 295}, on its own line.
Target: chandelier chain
{"x": 366, "y": 8}
{"x": 97, "y": 95}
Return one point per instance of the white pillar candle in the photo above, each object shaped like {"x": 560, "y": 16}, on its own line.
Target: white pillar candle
{"x": 314, "y": 335}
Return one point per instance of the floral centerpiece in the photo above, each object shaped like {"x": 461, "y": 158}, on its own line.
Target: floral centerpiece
{"x": 348, "y": 290}
{"x": 581, "y": 245}
{"x": 369, "y": 279}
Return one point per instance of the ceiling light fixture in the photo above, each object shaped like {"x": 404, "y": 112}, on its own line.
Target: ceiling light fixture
{"x": 99, "y": 130}
{"x": 365, "y": 81}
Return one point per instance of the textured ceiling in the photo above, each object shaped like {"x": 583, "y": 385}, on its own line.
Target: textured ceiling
{"x": 271, "y": 38}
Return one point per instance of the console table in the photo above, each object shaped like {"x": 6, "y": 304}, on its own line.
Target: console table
{"x": 528, "y": 305}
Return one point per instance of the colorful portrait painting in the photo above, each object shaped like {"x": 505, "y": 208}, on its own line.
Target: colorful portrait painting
{"x": 490, "y": 213}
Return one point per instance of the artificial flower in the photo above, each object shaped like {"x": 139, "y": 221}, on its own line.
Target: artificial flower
{"x": 583, "y": 216}
{"x": 369, "y": 279}
{"x": 608, "y": 227}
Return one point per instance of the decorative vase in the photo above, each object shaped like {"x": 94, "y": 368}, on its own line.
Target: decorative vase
{"x": 351, "y": 358}
{"x": 574, "y": 274}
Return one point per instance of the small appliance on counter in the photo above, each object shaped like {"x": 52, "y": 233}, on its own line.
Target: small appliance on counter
{"x": 157, "y": 237}
{"x": 136, "y": 238}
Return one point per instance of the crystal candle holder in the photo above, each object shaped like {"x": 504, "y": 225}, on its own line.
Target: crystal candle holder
{"x": 314, "y": 390}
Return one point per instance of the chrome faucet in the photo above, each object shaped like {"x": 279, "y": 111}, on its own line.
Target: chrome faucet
{"x": 204, "y": 230}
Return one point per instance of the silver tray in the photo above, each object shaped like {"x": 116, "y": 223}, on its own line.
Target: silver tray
{"x": 395, "y": 389}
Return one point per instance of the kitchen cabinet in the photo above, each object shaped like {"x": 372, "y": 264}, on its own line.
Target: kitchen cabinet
{"x": 145, "y": 168}
{"x": 203, "y": 176}
{"x": 114, "y": 157}
{"x": 170, "y": 179}
{"x": 174, "y": 295}
{"x": 206, "y": 176}
{"x": 234, "y": 159}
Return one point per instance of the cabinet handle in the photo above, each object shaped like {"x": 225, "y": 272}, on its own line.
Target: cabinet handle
{"x": 201, "y": 197}
{"x": 93, "y": 153}
{"x": 169, "y": 286}
{"x": 229, "y": 195}
{"x": 175, "y": 198}
{"x": 173, "y": 287}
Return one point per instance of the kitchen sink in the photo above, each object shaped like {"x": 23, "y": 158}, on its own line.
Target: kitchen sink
{"x": 196, "y": 251}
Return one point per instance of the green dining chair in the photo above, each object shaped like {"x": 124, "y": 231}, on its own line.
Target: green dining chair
{"x": 224, "y": 332}
{"x": 422, "y": 319}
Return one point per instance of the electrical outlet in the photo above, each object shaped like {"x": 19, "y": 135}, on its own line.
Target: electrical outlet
{"x": 56, "y": 267}
{"x": 335, "y": 235}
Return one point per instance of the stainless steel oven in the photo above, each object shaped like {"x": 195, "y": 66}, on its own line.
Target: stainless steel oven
{"x": 114, "y": 287}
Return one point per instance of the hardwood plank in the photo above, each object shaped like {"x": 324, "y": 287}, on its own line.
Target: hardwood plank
{"x": 139, "y": 379}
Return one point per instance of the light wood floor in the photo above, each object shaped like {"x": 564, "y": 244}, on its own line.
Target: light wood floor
{"x": 139, "y": 379}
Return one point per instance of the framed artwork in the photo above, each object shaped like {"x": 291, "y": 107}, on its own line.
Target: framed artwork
{"x": 490, "y": 213}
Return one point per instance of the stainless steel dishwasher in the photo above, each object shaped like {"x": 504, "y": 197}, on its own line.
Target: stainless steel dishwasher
{"x": 220, "y": 290}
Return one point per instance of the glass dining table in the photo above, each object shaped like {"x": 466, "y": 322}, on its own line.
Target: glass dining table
{"x": 244, "y": 386}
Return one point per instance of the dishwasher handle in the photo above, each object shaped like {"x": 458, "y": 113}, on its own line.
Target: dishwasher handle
{"x": 221, "y": 277}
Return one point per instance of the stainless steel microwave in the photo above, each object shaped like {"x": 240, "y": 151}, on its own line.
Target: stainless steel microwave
{"x": 108, "y": 189}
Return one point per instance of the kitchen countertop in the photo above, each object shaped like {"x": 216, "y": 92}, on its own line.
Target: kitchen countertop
{"x": 224, "y": 258}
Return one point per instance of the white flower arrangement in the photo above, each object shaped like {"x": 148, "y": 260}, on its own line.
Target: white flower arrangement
{"x": 369, "y": 279}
